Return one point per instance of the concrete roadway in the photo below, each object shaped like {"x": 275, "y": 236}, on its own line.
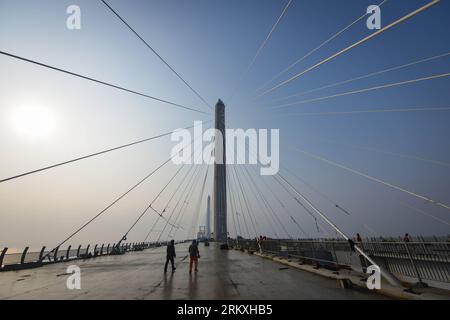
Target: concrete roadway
{"x": 139, "y": 275}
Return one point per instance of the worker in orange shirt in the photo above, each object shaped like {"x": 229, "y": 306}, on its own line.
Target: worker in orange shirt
{"x": 194, "y": 255}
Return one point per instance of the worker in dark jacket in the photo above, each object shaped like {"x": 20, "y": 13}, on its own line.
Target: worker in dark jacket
{"x": 170, "y": 255}
{"x": 194, "y": 255}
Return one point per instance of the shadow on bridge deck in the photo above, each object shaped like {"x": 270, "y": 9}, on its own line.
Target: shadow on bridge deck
{"x": 139, "y": 275}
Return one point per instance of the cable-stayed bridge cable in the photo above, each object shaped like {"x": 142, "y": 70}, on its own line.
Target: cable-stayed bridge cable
{"x": 390, "y": 153}
{"x": 336, "y": 205}
{"x": 185, "y": 202}
{"x": 88, "y": 156}
{"x": 372, "y": 74}
{"x": 154, "y": 199}
{"x": 181, "y": 203}
{"x": 156, "y": 53}
{"x": 233, "y": 210}
{"x": 326, "y": 197}
{"x": 197, "y": 207}
{"x": 287, "y": 191}
{"x": 240, "y": 203}
{"x": 233, "y": 203}
{"x": 261, "y": 47}
{"x": 264, "y": 208}
{"x": 314, "y": 50}
{"x": 111, "y": 204}
{"x": 150, "y": 204}
{"x": 101, "y": 82}
{"x": 160, "y": 215}
{"x": 335, "y": 227}
{"x": 336, "y": 113}
{"x": 185, "y": 193}
{"x": 374, "y": 179}
{"x": 275, "y": 196}
{"x": 269, "y": 35}
{"x": 425, "y": 213}
{"x": 269, "y": 208}
{"x": 342, "y": 94}
{"x": 371, "y": 36}
{"x": 245, "y": 200}
{"x": 319, "y": 226}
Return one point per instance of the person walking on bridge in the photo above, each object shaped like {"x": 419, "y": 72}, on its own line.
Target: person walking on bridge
{"x": 194, "y": 255}
{"x": 170, "y": 255}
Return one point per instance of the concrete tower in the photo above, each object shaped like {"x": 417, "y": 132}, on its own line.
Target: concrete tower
{"x": 220, "y": 190}
{"x": 208, "y": 218}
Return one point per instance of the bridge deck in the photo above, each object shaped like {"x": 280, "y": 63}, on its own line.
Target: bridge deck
{"x": 139, "y": 275}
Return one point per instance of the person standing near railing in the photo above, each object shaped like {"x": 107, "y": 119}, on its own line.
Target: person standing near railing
{"x": 358, "y": 237}
{"x": 258, "y": 243}
{"x": 406, "y": 238}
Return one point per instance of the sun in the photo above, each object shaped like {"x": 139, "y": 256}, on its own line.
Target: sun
{"x": 33, "y": 121}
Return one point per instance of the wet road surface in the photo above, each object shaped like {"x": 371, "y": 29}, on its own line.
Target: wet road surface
{"x": 139, "y": 275}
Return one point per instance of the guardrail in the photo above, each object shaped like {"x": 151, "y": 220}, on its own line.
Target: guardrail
{"x": 420, "y": 262}
{"x": 26, "y": 259}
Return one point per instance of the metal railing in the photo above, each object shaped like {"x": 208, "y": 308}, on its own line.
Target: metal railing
{"x": 420, "y": 260}
{"x": 417, "y": 261}
{"x": 27, "y": 259}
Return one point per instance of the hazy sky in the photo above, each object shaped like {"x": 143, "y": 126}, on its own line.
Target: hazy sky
{"x": 210, "y": 43}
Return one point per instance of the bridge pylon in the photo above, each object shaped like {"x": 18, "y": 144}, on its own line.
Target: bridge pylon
{"x": 220, "y": 190}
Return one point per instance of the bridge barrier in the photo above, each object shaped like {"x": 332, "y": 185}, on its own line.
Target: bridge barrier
{"x": 419, "y": 262}
{"x": 33, "y": 259}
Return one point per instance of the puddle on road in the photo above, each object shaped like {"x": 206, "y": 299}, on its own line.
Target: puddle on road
{"x": 63, "y": 274}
